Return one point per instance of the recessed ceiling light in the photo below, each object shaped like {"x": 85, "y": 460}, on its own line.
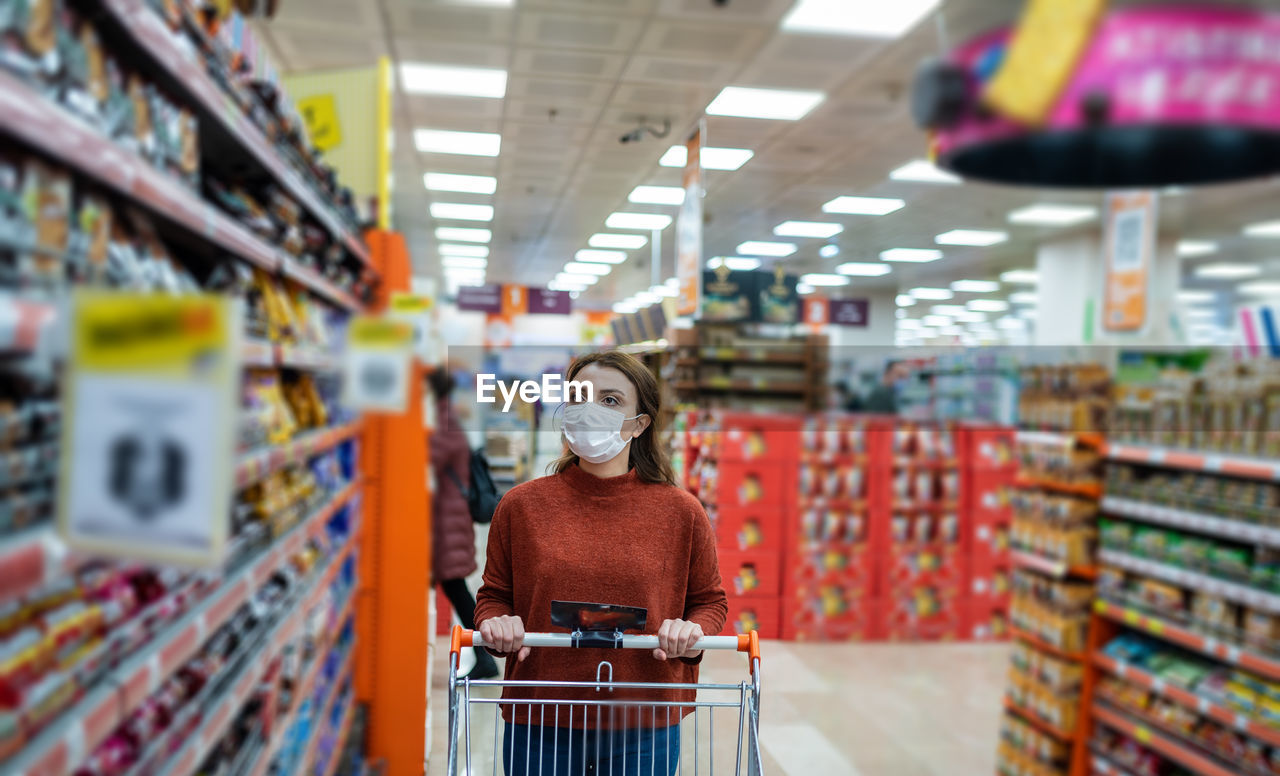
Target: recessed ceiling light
{"x": 576, "y": 277}
{"x": 932, "y": 294}
{"x": 820, "y": 279}
{"x": 863, "y": 206}
{"x": 927, "y": 332}
{"x": 600, "y": 257}
{"x": 451, "y": 249}
{"x": 1024, "y": 297}
{"x": 711, "y": 158}
{"x": 829, "y": 251}
{"x": 804, "y": 288}
{"x": 1263, "y": 229}
{"x": 972, "y": 318}
{"x": 1192, "y": 296}
{"x": 975, "y": 286}
{"x": 748, "y": 103}
{"x": 646, "y": 298}
{"x": 1226, "y": 270}
{"x": 936, "y": 320}
{"x": 662, "y": 290}
{"x": 624, "y": 308}
{"x": 648, "y": 222}
{"x": 626, "y": 241}
{"x": 742, "y": 263}
{"x": 979, "y": 238}
{"x": 911, "y": 255}
{"x": 1011, "y": 324}
{"x": 1053, "y": 215}
{"x": 905, "y": 300}
{"x": 1260, "y": 288}
{"x": 464, "y": 262}
{"x": 560, "y": 285}
{"x": 470, "y": 184}
{"x": 761, "y": 248}
{"x": 586, "y": 268}
{"x": 447, "y": 141}
{"x": 989, "y": 305}
{"x": 458, "y": 212}
{"x": 862, "y": 18}
{"x": 657, "y": 195}
{"x": 951, "y": 331}
{"x": 1193, "y": 248}
{"x": 1020, "y": 277}
{"x": 864, "y": 269}
{"x": 452, "y": 80}
{"x": 909, "y": 323}
{"x": 463, "y": 234}
{"x": 807, "y": 229}
{"x": 921, "y": 171}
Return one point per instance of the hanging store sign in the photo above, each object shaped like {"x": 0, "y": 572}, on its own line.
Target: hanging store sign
{"x": 1129, "y": 253}
{"x": 149, "y": 427}
{"x": 855, "y": 313}
{"x": 689, "y": 231}
{"x": 776, "y": 299}
{"x": 484, "y": 299}
{"x": 379, "y": 363}
{"x": 544, "y": 301}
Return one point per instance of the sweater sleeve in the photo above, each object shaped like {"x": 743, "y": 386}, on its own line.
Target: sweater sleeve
{"x": 705, "y": 601}
{"x": 495, "y": 597}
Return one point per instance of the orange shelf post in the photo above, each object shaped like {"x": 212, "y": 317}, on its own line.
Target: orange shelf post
{"x": 391, "y": 621}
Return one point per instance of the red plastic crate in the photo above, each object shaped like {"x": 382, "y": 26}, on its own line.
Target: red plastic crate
{"x": 836, "y": 481}
{"x": 750, "y": 572}
{"x": 991, "y": 448}
{"x": 987, "y": 495}
{"x": 810, "y": 565}
{"x": 759, "y": 613}
{"x": 754, "y": 484}
{"x": 984, "y": 623}
{"x": 759, "y": 443}
{"x": 756, "y": 527}
{"x": 803, "y": 621}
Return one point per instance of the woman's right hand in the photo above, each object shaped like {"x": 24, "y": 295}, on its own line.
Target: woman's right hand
{"x": 505, "y": 634}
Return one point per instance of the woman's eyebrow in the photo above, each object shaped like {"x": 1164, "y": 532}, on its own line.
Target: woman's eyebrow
{"x": 613, "y": 391}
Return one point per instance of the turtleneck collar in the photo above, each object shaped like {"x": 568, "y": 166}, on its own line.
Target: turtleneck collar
{"x": 601, "y": 486}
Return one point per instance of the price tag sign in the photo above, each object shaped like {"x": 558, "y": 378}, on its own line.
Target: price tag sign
{"x": 148, "y": 436}
{"x": 379, "y": 363}
{"x": 417, "y": 310}
{"x": 1142, "y": 734}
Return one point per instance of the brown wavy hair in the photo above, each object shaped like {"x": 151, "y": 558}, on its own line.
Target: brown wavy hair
{"x": 648, "y": 457}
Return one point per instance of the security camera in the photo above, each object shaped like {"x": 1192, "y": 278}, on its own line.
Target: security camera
{"x": 720, "y": 3}
{"x": 637, "y": 134}
{"x": 634, "y": 136}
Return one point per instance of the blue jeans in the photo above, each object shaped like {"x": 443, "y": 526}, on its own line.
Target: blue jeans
{"x": 551, "y": 751}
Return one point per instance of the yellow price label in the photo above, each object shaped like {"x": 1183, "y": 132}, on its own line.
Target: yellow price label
{"x": 719, "y": 382}
{"x": 411, "y": 304}
{"x": 1100, "y": 607}
{"x": 1155, "y": 626}
{"x": 370, "y": 331}
{"x": 131, "y": 332}
{"x": 1131, "y": 617}
{"x": 1142, "y": 734}
{"x": 320, "y": 113}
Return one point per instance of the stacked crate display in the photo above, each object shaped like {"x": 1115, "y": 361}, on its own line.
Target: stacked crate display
{"x": 990, "y": 471}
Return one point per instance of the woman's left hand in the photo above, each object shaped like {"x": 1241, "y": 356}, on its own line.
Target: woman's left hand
{"x": 676, "y": 639}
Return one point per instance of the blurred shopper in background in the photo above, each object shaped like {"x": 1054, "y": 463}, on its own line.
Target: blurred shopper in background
{"x": 883, "y": 399}
{"x": 453, "y": 537}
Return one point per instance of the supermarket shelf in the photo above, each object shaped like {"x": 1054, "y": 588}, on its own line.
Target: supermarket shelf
{"x": 757, "y": 385}
{"x": 31, "y": 560}
{"x": 1105, "y": 767}
{"x": 1062, "y": 439}
{"x": 1044, "y": 646}
{"x": 1268, "y": 667}
{"x": 85, "y": 724}
{"x": 257, "y": 352}
{"x": 257, "y": 464}
{"x": 312, "y": 279}
{"x": 344, "y": 730}
{"x": 1036, "y": 722}
{"x": 296, "y": 357}
{"x": 1251, "y": 597}
{"x": 23, "y": 324}
{"x": 1216, "y": 463}
{"x": 1167, "y": 746}
{"x": 761, "y": 355}
{"x": 1070, "y": 489}
{"x": 335, "y": 690}
{"x": 150, "y": 33}
{"x": 1188, "y": 699}
{"x": 1193, "y": 521}
{"x": 1054, "y": 568}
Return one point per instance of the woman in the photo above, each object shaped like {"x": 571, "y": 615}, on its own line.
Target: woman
{"x": 609, "y": 526}
{"x": 453, "y": 538}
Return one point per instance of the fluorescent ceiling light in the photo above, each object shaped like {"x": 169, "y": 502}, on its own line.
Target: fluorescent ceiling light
{"x": 864, "y": 269}
{"x": 557, "y": 285}
{"x": 909, "y": 323}
{"x": 657, "y": 195}
{"x": 1260, "y": 288}
{"x": 464, "y": 262}
{"x": 463, "y": 234}
{"x": 1020, "y": 277}
{"x": 1193, "y": 248}
{"x": 626, "y": 241}
{"x": 760, "y": 248}
{"x": 927, "y": 332}
{"x": 820, "y": 279}
{"x": 1263, "y": 229}
{"x": 905, "y": 300}
{"x": 672, "y": 283}
{"x": 1191, "y": 296}
{"x": 921, "y": 171}
{"x": 600, "y": 257}
{"x": 951, "y": 331}
{"x": 573, "y": 277}
{"x": 460, "y": 273}
{"x": 936, "y": 320}
{"x": 742, "y": 263}
{"x": 1011, "y": 324}
{"x": 862, "y": 18}
{"x": 646, "y": 298}
{"x": 1024, "y": 297}
{"x": 951, "y": 310}
{"x": 978, "y": 238}
{"x": 663, "y": 291}
{"x": 584, "y": 268}
{"x": 458, "y": 212}
{"x": 932, "y": 294}
{"x": 447, "y": 141}
{"x": 1053, "y": 215}
{"x": 748, "y": 103}
{"x": 804, "y": 288}
{"x": 971, "y": 318}
{"x": 829, "y": 251}
{"x": 454, "y": 81}
{"x": 1225, "y": 270}
{"x": 470, "y": 184}
{"x": 807, "y": 229}
{"x": 899, "y": 314}
{"x": 712, "y": 158}
{"x": 989, "y": 305}
{"x": 451, "y": 249}
{"x": 625, "y": 308}
{"x": 863, "y": 206}
{"x": 975, "y": 286}
{"x": 647, "y": 222}
{"x": 911, "y": 255}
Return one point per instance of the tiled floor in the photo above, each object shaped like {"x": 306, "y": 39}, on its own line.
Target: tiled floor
{"x": 867, "y": 710}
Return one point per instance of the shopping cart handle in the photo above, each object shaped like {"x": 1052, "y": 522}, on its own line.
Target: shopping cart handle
{"x": 749, "y": 642}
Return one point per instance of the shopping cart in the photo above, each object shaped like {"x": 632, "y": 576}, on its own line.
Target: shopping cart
{"x": 562, "y": 721}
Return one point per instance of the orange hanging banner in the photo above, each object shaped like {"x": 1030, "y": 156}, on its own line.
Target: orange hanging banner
{"x": 1129, "y": 253}
{"x": 816, "y": 312}
{"x": 515, "y": 300}
{"x": 689, "y": 231}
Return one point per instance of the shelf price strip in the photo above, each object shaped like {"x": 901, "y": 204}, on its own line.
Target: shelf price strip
{"x": 1179, "y": 518}
{"x": 1237, "y": 466}
{"x": 1256, "y": 599}
{"x": 1166, "y": 746}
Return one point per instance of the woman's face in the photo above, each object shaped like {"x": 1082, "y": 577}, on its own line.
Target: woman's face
{"x": 611, "y": 388}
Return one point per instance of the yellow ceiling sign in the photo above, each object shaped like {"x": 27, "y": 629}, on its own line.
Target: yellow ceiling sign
{"x": 321, "y": 115}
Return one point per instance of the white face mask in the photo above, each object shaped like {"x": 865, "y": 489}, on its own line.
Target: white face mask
{"x": 594, "y": 431}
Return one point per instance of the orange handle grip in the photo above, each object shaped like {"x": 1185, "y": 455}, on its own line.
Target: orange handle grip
{"x": 460, "y": 637}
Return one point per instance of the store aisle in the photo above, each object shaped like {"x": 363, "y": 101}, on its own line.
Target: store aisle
{"x": 864, "y": 709}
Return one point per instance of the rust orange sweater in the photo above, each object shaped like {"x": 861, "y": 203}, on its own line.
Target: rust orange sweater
{"x": 577, "y": 537}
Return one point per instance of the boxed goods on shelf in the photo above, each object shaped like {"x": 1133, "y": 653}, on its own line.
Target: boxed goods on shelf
{"x": 758, "y": 613}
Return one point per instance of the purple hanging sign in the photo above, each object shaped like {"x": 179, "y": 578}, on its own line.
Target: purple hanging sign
{"x": 485, "y": 299}
{"x": 544, "y": 301}
{"x": 849, "y": 312}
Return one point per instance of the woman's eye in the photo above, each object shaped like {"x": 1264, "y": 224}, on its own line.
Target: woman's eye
{"x": 609, "y": 401}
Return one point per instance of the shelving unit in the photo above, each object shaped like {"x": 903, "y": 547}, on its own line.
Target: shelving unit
{"x": 700, "y": 365}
